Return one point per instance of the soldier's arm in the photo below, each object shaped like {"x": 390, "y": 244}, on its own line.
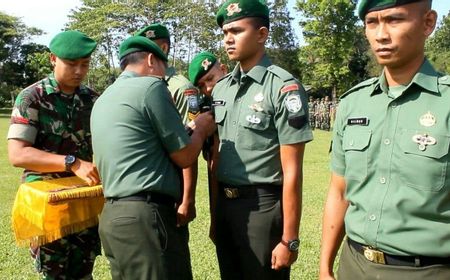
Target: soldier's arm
{"x": 291, "y": 162}
{"x": 186, "y": 210}
{"x": 22, "y": 154}
{"x": 333, "y": 230}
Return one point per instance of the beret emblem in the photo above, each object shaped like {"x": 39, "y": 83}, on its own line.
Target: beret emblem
{"x": 233, "y": 8}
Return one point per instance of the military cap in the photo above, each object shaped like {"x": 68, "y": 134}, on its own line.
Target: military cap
{"x": 366, "y": 6}
{"x": 140, "y": 44}
{"x": 200, "y": 65}
{"x": 233, "y": 10}
{"x": 72, "y": 44}
{"x": 154, "y": 31}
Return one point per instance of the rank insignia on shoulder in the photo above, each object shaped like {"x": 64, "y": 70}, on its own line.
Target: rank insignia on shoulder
{"x": 358, "y": 121}
{"x": 289, "y": 88}
{"x": 219, "y": 102}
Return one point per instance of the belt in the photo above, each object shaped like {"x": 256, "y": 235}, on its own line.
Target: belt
{"x": 148, "y": 197}
{"x": 248, "y": 191}
{"x": 376, "y": 256}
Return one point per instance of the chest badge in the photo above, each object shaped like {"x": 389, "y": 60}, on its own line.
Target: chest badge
{"x": 427, "y": 120}
{"x": 424, "y": 140}
{"x": 253, "y": 119}
{"x": 259, "y": 97}
{"x": 256, "y": 107}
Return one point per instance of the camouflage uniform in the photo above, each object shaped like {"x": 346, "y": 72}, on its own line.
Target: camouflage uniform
{"x": 311, "y": 108}
{"x": 326, "y": 114}
{"x": 59, "y": 124}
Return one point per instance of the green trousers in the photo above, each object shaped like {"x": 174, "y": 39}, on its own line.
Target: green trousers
{"x": 353, "y": 265}
{"x": 141, "y": 241}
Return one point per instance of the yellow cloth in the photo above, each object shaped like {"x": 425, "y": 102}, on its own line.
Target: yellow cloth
{"x": 45, "y": 211}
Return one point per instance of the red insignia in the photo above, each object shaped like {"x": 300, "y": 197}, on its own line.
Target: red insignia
{"x": 190, "y": 91}
{"x": 289, "y": 88}
{"x": 20, "y": 120}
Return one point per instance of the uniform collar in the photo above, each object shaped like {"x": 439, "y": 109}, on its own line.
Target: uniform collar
{"x": 256, "y": 73}
{"x": 51, "y": 86}
{"x": 426, "y": 78}
{"x": 128, "y": 74}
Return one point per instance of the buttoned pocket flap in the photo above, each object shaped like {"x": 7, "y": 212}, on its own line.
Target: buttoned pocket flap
{"x": 356, "y": 140}
{"x": 219, "y": 114}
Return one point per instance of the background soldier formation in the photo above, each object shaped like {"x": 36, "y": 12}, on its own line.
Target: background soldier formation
{"x": 322, "y": 112}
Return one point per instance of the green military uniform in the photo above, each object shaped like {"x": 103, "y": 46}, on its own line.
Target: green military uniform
{"x": 392, "y": 146}
{"x": 178, "y": 85}
{"x": 255, "y": 113}
{"x": 57, "y": 123}
{"x": 140, "y": 182}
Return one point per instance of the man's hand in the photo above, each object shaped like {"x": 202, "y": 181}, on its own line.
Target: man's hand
{"x": 205, "y": 122}
{"x": 186, "y": 213}
{"x": 282, "y": 257}
{"x": 87, "y": 171}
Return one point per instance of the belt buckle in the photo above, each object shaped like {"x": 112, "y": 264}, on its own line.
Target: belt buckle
{"x": 231, "y": 192}
{"x": 374, "y": 256}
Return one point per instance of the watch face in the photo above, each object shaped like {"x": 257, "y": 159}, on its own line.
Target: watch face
{"x": 70, "y": 159}
{"x": 293, "y": 245}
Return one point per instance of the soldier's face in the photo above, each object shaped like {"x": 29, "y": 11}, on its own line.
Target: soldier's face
{"x": 207, "y": 82}
{"x": 242, "y": 40}
{"x": 397, "y": 35}
{"x": 69, "y": 73}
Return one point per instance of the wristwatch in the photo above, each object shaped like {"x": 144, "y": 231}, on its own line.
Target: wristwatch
{"x": 69, "y": 160}
{"x": 292, "y": 245}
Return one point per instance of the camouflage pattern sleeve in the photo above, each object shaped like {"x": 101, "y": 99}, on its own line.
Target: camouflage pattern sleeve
{"x": 24, "y": 117}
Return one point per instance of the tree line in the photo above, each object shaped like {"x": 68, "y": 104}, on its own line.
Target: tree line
{"x": 333, "y": 57}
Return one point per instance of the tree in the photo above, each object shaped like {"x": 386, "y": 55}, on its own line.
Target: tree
{"x": 283, "y": 42}
{"x": 438, "y": 47}
{"x": 330, "y": 32}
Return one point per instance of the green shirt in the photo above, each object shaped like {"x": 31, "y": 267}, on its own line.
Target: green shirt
{"x": 135, "y": 126}
{"x": 180, "y": 88}
{"x": 256, "y": 113}
{"x": 394, "y": 155}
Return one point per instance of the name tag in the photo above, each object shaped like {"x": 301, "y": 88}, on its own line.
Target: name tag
{"x": 358, "y": 121}
{"x": 218, "y": 102}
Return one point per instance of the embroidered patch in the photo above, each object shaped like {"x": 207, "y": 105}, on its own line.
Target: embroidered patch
{"x": 150, "y": 34}
{"x": 289, "y": 88}
{"x": 190, "y": 91}
{"x": 205, "y": 64}
{"x": 293, "y": 103}
{"x": 233, "y": 8}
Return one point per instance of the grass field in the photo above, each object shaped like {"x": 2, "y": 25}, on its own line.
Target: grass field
{"x": 15, "y": 263}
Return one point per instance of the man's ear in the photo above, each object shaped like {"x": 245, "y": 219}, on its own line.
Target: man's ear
{"x": 150, "y": 60}
{"x": 223, "y": 68}
{"x": 263, "y": 35}
{"x": 52, "y": 59}
{"x": 430, "y": 19}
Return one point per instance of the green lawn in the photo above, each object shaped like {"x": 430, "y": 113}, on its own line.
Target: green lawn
{"x": 15, "y": 263}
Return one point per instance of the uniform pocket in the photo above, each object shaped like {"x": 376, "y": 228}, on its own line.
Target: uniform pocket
{"x": 423, "y": 168}
{"x": 219, "y": 114}
{"x": 355, "y": 143}
{"x": 254, "y": 131}
{"x": 158, "y": 224}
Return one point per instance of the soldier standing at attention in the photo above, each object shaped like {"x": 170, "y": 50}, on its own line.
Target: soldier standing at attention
{"x": 50, "y": 138}
{"x": 139, "y": 167}
{"x": 262, "y": 117}
{"x": 181, "y": 90}
{"x": 311, "y": 108}
{"x": 390, "y": 181}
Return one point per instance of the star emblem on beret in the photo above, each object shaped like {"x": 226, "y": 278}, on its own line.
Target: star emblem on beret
{"x": 206, "y": 63}
{"x": 150, "y": 34}
{"x": 233, "y": 8}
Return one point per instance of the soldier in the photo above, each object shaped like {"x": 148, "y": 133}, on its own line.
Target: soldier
{"x": 311, "y": 108}
{"x": 262, "y": 117}
{"x": 50, "y": 137}
{"x": 326, "y": 113}
{"x": 179, "y": 86}
{"x": 139, "y": 167}
{"x": 181, "y": 90}
{"x": 390, "y": 182}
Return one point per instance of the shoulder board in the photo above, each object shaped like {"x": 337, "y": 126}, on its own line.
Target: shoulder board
{"x": 361, "y": 85}
{"x": 280, "y": 73}
{"x": 444, "y": 80}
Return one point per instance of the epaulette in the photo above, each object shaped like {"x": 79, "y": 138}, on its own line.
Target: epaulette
{"x": 361, "y": 85}
{"x": 280, "y": 72}
{"x": 444, "y": 80}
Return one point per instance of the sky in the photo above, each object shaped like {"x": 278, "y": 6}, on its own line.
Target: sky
{"x": 51, "y": 15}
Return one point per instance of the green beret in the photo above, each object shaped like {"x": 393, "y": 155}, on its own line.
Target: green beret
{"x": 233, "y": 10}
{"x": 366, "y": 6}
{"x": 140, "y": 44}
{"x": 154, "y": 31}
{"x": 72, "y": 45}
{"x": 200, "y": 65}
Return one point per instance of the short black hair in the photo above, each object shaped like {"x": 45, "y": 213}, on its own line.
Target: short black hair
{"x": 259, "y": 22}
{"x": 132, "y": 58}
